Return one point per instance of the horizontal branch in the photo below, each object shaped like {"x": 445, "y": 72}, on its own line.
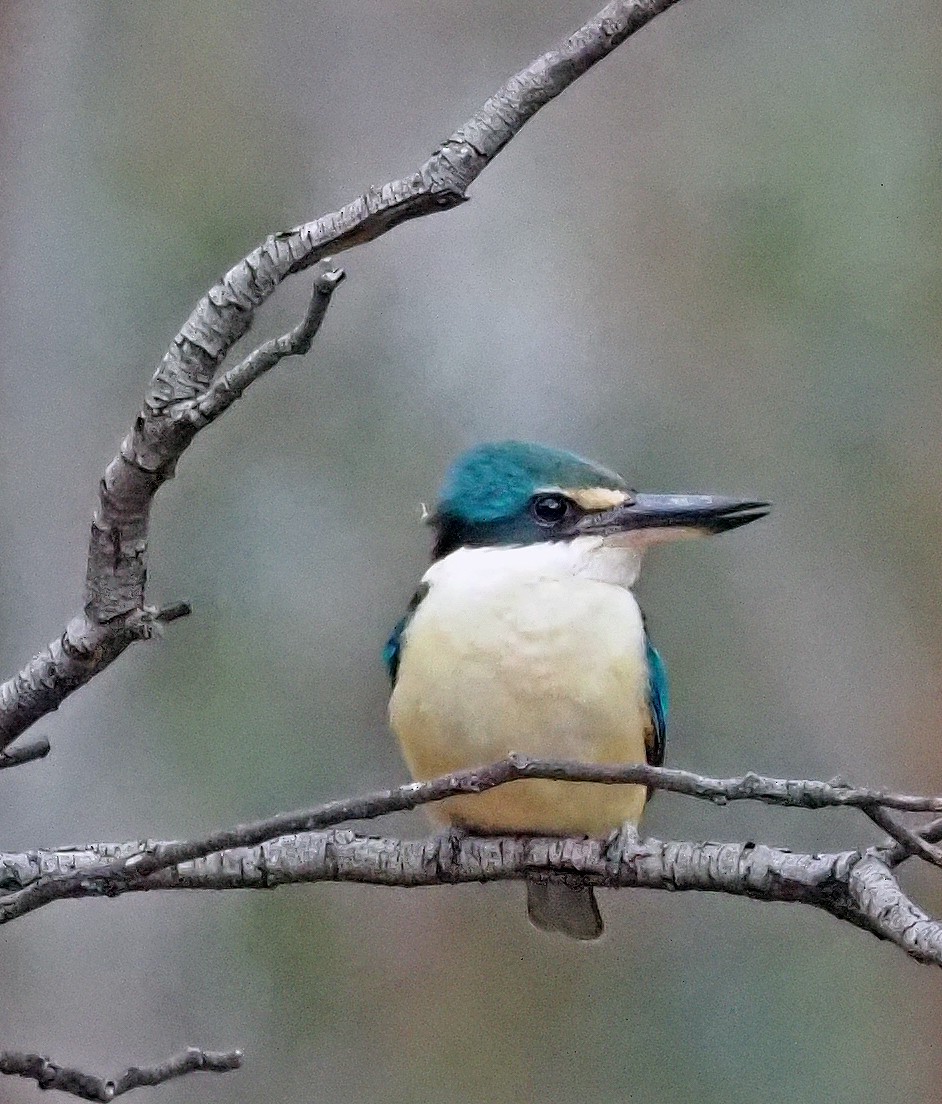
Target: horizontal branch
{"x": 137, "y": 859}
{"x": 849, "y": 885}
{"x": 182, "y": 397}
{"x": 292, "y": 847}
{"x": 49, "y": 1075}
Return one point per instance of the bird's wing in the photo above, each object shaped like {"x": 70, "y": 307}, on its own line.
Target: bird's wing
{"x": 658, "y": 700}
{"x": 393, "y": 649}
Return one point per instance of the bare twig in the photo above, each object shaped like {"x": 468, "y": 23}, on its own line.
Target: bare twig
{"x": 182, "y": 396}
{"x": 49, "y": 1075}
{"x": 913, "y": 842}
{"x": 231, "y": 385}
{"x": 893, "y": 856}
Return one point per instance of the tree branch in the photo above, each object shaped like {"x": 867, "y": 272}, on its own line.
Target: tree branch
{"x": 49, "y": 1075}
{"x": 231, "y": 385}
{"x": 876, "y": 892}
{"x": 225, "y": 312}
{"x": 854, "y": 885}
{"x": 136, "y": 859}
{"x": 115, "y": 614}
{"x": 850, "y": 885}
{"x": 182, "y": 397}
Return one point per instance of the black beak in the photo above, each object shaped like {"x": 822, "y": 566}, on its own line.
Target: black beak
{"x": 706, "y": 514}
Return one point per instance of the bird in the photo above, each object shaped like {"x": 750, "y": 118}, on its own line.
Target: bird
{"x": 524, "y": 636}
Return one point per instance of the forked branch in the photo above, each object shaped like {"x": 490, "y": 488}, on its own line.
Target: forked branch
{"x": 86, "y": 1086}
{"x": 115, "y": 613}
{"x": 182, "y": 396}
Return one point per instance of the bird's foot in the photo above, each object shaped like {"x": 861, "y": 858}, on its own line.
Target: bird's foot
{"x": 622, "y": 844}
{"x": 447, "y": 844}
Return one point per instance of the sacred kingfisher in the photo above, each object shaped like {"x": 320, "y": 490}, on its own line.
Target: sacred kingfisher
{"x": 524, "y": 636}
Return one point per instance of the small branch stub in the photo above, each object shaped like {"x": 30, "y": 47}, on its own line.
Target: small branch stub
{"x": 25, "y": 752}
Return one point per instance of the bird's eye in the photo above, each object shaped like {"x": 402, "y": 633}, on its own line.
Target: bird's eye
{"x": 550, "y": 509}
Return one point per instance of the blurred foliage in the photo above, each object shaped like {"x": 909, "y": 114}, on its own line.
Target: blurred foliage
{"x": 713, "y": 264}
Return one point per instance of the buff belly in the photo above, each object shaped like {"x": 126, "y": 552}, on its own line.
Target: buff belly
{"x": 554, "y": 668}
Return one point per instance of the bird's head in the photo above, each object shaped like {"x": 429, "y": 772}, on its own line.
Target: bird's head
{"x": 515, "y": 493}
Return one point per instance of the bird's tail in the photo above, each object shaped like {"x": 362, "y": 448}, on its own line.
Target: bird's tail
{"x": 559, "y": 906}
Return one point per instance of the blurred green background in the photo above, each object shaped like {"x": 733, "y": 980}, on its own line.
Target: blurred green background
{"x": 712, "y": 264}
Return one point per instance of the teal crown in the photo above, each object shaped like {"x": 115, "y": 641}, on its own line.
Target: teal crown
{"x": 496, "y": 481}
{"x": 487, "y": 492}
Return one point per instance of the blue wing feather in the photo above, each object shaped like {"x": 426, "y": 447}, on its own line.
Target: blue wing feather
{"x": 658, "y": 700}
{"x": 393, "y": 650}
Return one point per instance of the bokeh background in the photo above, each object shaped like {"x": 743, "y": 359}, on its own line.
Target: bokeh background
{"x": 712, "y": 264}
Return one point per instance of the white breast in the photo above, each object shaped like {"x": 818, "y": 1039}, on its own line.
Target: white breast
{"x": 540, "y": 650}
